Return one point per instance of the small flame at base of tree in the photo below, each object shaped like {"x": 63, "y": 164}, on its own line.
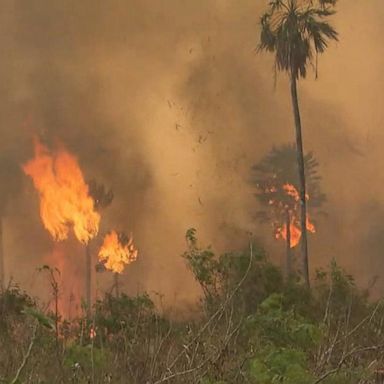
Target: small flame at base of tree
{"x": 295, "y": 230}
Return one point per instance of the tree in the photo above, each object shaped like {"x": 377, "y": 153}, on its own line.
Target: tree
{"x": 9, "y": 184}
{"x": 124, "y": 240}
{"x": 277, "y": 182}
{"x": 296, "y": 31}
{"x": 102, "y": 198}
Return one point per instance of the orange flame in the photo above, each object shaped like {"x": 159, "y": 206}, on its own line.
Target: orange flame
{"x": 114, "y": 254}
{"x": 65, "y": 202}
{"x": 92, "y": 333}
{"x": 295, "y": 230}
{"x": 292, "y": 191}
{"x": 281, "y": 232}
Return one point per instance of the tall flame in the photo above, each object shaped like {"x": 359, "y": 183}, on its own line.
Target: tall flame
{"x": 294, "y": 227}
{"x": 65, "y": 202}
{"x": 114, "y": 254}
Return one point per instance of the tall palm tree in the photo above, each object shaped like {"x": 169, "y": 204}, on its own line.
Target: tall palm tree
{"x": 296, "y": 31}
{"x": 270, "y": 176}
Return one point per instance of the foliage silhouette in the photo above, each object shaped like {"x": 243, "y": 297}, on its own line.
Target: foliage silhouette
{"x": 271, "y": 176}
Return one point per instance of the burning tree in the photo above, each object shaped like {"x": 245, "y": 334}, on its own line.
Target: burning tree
{"x": 276, "y": 179}
{"x": 116, "y": 252}
{"x": 102, "y": 198}
{"x": 65, "y": 201}
{"x": 296, "y": 31}
{"x": 68, "y": 203}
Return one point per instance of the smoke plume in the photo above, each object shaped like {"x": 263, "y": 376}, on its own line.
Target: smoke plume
{"x": 169, "y": 104}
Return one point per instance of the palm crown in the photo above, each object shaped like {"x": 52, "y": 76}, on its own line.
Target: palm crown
{"x": 295, "y": 31}
{"x": 277, "y": 169}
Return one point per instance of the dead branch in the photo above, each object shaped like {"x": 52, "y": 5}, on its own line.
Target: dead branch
{"x": 26, "y": 356}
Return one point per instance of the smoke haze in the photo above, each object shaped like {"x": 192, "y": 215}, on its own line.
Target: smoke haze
{"x": 168, "y": 104}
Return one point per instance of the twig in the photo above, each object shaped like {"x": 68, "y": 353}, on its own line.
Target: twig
{"x": 182, "y": 373}
{"x": 162, "y": 341}
{"x": 26, "y": 356}
{"x": 362, "y": 322}
{"x": 345, "y": 357}
{"x": 219, "y": 311}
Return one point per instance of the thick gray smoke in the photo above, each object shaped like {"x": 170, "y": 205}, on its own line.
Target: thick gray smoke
{"x": 169, "y": 105}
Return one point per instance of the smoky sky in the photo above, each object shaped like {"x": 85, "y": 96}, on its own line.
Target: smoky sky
{"x": 169, "y": 104}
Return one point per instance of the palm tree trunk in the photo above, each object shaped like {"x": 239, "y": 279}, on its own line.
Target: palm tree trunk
{"x": 88, "y": 270}
{"x": 2, "y": 282}
{"x": 300, "y": 162}
{"x": 116, "y": 278}
{"x": 289, "y": 251}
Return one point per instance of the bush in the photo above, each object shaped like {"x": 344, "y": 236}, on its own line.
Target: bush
{"x": 253, "y": 327}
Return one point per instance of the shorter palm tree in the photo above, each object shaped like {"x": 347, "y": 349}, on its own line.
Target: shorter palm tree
{"x": 102, "y": 198}
{"x": 116, "y": 252}
{"x": 276, "y": 180}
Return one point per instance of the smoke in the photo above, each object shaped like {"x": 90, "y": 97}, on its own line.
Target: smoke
{"x": 168, "y": 104}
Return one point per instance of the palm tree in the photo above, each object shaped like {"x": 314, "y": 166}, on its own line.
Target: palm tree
{"x": 296, "y": 31}
{"x": 271, "y": 176}
{"x": 102, "y": 198}
{"x": 126, "y": 242}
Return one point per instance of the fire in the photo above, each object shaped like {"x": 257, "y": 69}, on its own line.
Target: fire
{"x": 290, "y": 190}
{"x": 281, "y": 232}
{"x": 116, "y": 253}
{"x": 92, "y": 333}
{"x": 294, "y": 226}
{"x": 65, "y": 202}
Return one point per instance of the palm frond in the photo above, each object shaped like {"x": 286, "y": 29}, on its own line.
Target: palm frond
{"x": 296, "y": 34}
{"x": 325, "y": 3}
{"x": 267, "y": 37}
{"x": 279, "y": 167}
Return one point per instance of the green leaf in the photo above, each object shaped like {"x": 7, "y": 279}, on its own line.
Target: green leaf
{"x": 40, "y": 317}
